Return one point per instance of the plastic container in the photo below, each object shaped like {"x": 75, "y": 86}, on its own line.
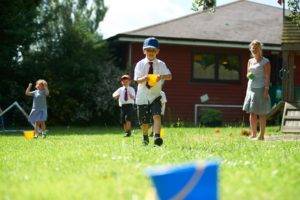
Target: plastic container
{"x": 197, "y": 180}
{"x": 28, "y": 134}
{"x": 152, "y": 79}
{"x": 162, "y": 132}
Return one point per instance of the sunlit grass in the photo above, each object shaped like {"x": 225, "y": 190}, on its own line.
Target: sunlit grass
{"x": 99, "y": 163}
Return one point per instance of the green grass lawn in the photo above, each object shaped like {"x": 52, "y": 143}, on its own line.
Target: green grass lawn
{"x": 99, "y": 163}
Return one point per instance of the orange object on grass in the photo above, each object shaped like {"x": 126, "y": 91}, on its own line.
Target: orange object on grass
{"x": 28, "y": 134}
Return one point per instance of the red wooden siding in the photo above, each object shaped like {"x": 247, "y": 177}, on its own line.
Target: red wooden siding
{"x": 183, "y": 94}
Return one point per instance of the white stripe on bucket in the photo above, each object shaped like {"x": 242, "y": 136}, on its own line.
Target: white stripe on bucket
{"x": 191, "y": 183}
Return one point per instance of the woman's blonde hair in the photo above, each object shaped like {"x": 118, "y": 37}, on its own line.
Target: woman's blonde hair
{"x": 257, "y": 43}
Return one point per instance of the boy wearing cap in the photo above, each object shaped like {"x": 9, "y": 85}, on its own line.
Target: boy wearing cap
{"x": 126, "y": 95}
{"x": 148, "y": 98}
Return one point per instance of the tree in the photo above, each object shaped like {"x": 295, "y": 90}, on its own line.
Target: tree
{"x": 16, "y": 28}
{"x": 294, "y": 7}
{"x": 75, "y": 60}
{"x": 62, "y": 46}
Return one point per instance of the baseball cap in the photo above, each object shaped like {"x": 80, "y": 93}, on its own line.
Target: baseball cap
{"x": 151, "y": 42}
{"x": 125, "y": 77}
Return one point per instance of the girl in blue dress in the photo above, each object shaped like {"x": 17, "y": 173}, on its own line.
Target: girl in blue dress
{"x": 38, "y": 114}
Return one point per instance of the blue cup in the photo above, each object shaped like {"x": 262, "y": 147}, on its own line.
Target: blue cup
{"x": 197, "y": 180}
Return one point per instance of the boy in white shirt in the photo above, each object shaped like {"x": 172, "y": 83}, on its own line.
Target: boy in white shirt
{"x": 148, "y": 98}
{"x": 126, "y": 95}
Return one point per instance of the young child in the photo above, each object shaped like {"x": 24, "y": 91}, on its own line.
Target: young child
{"x": 126, "y": 96}
{"x": 38, "y": 114}
{"x": 148, "y": 97}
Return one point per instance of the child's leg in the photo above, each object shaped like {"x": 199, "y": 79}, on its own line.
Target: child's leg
{"x": 145, "y": 128}
{"x": 156, "y": 124}
{"x": 156, "y": 111}
{"x": 127, "y": 128}
{"x": 43, "y": 126}
{"x": 128, "y": 125}
{"x": 144, "y": 120}
{"x": 36, "y": 129}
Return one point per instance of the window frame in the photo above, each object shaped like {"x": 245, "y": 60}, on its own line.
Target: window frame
{"x": 218, "y": 56}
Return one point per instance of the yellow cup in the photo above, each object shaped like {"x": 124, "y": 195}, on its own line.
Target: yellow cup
{"x": 162, "y": 132}
{"x": 152, "y": 79}
{"x": 29, "y": 134}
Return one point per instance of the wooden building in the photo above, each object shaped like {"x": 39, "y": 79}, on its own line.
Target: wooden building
{"x": 208, "y": 54}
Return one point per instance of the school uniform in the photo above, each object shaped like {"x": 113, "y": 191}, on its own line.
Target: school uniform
{"x": 126, "y": 103}
{"x": 39, "y": 106}
{"x": 148, "y": 99}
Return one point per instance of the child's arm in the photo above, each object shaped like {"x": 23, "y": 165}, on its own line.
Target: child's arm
{"x": 166, "y": 77}
{"x": 116, "y": 94}
{"x": 27, "y": 92}
{"x": 46, "y": 88}
{"x": 142, "y": 79}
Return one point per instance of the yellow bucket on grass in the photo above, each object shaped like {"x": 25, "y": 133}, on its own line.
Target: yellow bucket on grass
{"x": 152, "y": 79}
{"x": 28, "y": 134}
{"x": 162, "y": 132}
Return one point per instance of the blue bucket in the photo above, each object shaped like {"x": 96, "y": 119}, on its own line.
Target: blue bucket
{"x": 197, "y": 180}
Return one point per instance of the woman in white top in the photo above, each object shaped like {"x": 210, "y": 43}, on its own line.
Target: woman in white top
{"x": 257, "y": 101}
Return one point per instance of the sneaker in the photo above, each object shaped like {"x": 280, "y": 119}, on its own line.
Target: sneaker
{"x": 43, "y": 136}
{"x": 158, "y": 141}
{"x": 36, "y": 135}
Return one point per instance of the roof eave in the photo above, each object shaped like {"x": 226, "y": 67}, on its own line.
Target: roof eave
{"x": 192, "y": 42}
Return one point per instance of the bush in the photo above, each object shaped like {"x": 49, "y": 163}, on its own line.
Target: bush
{"x": 211, "y": 117}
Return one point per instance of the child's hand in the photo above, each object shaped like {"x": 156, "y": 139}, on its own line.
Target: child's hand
{"x": 30, "y": 85}
{"x": 131, "y": 96}
{"x": 158, "y": 78}
{"x": 146, "y": 78}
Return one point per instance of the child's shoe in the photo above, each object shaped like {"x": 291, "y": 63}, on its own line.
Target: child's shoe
{"x": 36, "y": 135}
{"x": 127, "y": 134}
{"x": 158, "y": 141}
{"x": 43, "y": 135}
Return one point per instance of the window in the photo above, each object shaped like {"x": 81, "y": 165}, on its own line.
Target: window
{"x": 216, "y": 67}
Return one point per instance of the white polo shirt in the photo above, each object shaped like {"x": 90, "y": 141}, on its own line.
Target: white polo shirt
{"x": 121, "y": 93}
{"x": 145, "y": 95}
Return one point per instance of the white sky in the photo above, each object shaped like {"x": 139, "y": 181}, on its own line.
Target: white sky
{"x": 127, "y": 15}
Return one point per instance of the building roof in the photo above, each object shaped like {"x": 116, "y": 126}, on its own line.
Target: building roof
{"x": 290, "y": 35}
{"x": 233, "y": 25}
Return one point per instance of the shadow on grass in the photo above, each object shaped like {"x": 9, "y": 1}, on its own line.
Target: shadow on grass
{"x": 67, "y": 130}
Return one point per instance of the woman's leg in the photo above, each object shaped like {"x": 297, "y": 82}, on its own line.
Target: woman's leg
{"x": 262, "y": 125}
{"x": 253, "y": 124}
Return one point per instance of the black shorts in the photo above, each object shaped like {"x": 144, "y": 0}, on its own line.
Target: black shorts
{"x": 126, "y": 113}
{"x": 145, "y": 112}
